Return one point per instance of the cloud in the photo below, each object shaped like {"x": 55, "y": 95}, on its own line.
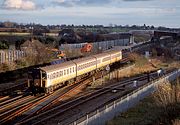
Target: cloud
{"x": 19, "y": 4}
{"x": 71, "y": 3}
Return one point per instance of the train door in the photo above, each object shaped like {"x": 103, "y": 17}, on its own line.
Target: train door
{"x": 30, "y": 79}
{"x": 34, "y": 78}
{"x": 43, "y": 79}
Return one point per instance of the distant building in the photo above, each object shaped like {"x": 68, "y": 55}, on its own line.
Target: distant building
{"x": 31, "y": 46}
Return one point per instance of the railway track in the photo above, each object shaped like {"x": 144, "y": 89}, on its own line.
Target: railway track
{"x": 9, "y": 104}
{"x": 57, "y": 97}
{"x": 61, "y": 109}
{"x": 9, "y": 91}
{"x": 62, "y": 112}
{"x": 16, "y": 107}
{"x": 5, "y": 102}
{"x": 32, "y": 108}
{"x": 4, "y": 98}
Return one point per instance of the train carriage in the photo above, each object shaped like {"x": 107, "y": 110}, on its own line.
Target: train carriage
{"x": 46, "y": 79}
{"x": 103, "y": 59}
{"x": 53, "y": 76}
{"x": 85, "y": 65}
{"x": 115, "y": 56}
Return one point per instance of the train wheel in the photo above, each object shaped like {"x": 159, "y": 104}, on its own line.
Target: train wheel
{"x": 66, "y": 83}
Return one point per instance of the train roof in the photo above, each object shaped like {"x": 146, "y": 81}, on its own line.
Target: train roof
{"x": 85, "y": 59}
{"x": 76, "y": 61}
{"x": 101, "y": 55}
{"x": 114, "y": 51}
{"x": 57, "y": 66}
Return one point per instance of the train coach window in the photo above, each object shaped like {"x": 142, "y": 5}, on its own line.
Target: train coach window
{"x": 44, "y": 75}
{"x": 54, "y": 75}
{"x": 64, "y": 72}
{"x": 61, "y": 73}
{"x": 67, "y": 71}
{"x": 73, "y": 69}
{"x": 106, "y": 59}
{"x": 70, "y": 70}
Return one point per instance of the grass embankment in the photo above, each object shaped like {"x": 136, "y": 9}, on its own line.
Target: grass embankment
{"x": 161, "y": 108}
{"x": 143, "y": 65}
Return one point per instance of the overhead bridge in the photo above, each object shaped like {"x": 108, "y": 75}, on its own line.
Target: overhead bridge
{"x": 159, "y": 34}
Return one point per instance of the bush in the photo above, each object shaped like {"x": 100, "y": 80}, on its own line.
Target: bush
{"x": 138, "y": 59}
{"x": 167, "y": 98}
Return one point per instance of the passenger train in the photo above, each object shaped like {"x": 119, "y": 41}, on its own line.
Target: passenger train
{"x": 47, "y": 79}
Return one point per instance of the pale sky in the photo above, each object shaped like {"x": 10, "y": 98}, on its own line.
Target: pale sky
{"x": 105, "y": 12}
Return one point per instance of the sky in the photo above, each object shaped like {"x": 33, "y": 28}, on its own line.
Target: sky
{"x": 92, "y": 12}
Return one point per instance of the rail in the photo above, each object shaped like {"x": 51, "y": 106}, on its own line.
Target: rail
{"x": 92, "y": 117}
{"x": 76, "y": 102}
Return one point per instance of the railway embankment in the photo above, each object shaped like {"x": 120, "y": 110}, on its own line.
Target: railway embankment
{"x": 161, "y": 107}
{"x": 112, "y": 109}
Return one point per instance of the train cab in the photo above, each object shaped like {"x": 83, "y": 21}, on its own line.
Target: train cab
{"x": 37, "y": 80}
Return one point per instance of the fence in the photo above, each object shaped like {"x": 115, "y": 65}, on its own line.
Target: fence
{"x": 107, "y": 112}
{"x": 103, "y": 45}
{"x": 7, "y": 56}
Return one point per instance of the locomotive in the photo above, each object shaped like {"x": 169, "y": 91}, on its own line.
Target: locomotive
{"x": 47, "y": 79}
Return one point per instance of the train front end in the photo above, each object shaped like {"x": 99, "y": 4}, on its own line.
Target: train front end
{"x": 36, "y": 81}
